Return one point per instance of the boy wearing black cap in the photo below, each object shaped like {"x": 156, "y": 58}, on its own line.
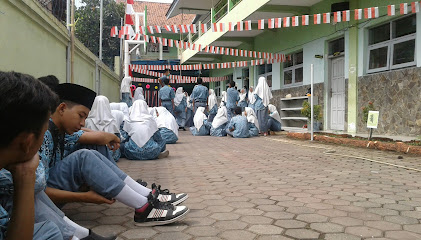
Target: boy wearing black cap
{"x": 107, "y": 183}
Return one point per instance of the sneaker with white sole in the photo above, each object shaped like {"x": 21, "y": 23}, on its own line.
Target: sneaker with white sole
{"x": 164, "y": 154}
{"x": 166, "y": 196}
{"x": 156, "y": 213}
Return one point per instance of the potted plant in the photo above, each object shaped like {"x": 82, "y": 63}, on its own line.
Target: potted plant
{"x": 317, "y": 115}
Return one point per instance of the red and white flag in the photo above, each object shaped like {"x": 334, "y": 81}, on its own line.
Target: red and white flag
{"x": 317, "y": 19}
{"x": 358, "y": 14}
{"x": 158, "y": 29}
{"x": 193, "y": 28}
{"x": 372, "y": 12}
{"x": 222, "y": 50}
{"x": 337, "y": 16}
{"x": 271, "y": 23}
{"x": 204, "y": 27}
{"x": 295, "y": 21}
{"x": 142, "y": 30}
{"x": 415, "y": 6}
{"x": 261, "y": 24}
{"x": 236, "y": 52}
{"x": 305, "y": 20}
{"x": 404, "y": 8}
{"x": 129, "y": 9}
{"x": 231, "y": 27}
{"x": 212, "y": 49}
{"x": 153, "y": 39}
{"x": 129, "y": 20}
{"x": 174, "y": 28}
{"x": 346, "y": 16}
{"x": 146, "y": 37}
{"x": 183, "y": 28}
{"x": 114, "y": 31}
{"x": 214, "y": 27}
{"x": 240, "y": 26}
{"x": 137, "y": 37}
{"x": 326, "y": 17}
{"x": 168, "y": 28}
{"x": 185, "y": 45}
{"x": 287, "y": 21}
{"x": 391, "y": 10}
{"x": 165, "y": 42}
{"x": 217, "y": 50}
{"x": 248, "y": 25}
{"x": 278, "y": 22}
{"x": 222, "y": 27}
{"x": 170, "y": 43}
{"x": 150, "y": 29}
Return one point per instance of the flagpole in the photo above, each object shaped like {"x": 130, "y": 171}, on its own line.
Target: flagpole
{"x": 72, "y": 42}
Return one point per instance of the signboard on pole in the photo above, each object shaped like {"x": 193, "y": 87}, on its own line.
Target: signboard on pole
{"x": 373, "y": 119}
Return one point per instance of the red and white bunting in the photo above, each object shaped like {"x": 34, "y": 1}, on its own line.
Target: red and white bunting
{"x": 146, "y": 37}
{"x": 404, "y": 8}
{"x": 358, "y": 14}
{"x": 114, "y": 31}
{"x": 170, "y": 43}
{"x": 236, "y": 52}
{"x": 240, "y": 26}
{"x": 150, "y": 29}
{"x": 168, "y": 28}
{"x": 415, "y": 6}
{"x": 222, "y": 27}
{"x": 193, "y": 28}
{"x": 138, "y": 37}
{"x": 183, "y": 28}
{"x": 317, "y": 19}
{"x": 391, "y": 10}
{"x": 204, "y": 27}
{"x": 248, "y": 25}
{"x": 326, "y": 17}
{"x": 278, "y": 22}
{"x": 337, "y": 16}
{"x": 261, "y": 24}
{"x": 231, "y": 27}
{"x": 214, "y": 27}
{"x": 305, "y": 19}
{"x": 165, "y": 42}
{"x": 174, "y": 28}
{"x": 346, "y": 16}
{"x": 271, "y": 23}
{"x": 153, "y": 39}
{"x": 287, "y": 21}
{"x": 370, "y": 13}
{"x": 295, "y": 21}
{"x": 158, "y": 29}
{"x": 142, "y": 30}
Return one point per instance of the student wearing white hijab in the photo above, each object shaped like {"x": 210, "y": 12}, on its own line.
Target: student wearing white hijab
{"x": 223, "y": 98}
{"x": 167, "y": 125}
{"x": 180, "y": 103}
{"x": 125, "y": 91}
{"x": 144, "y": 141}
{"x": 212, "y": 104}
{"x": 122, "y": 106}
{"x": 253, "y": 122}
{"x": 201, "y": 125}
{"x": 189, "y": 115}
{"x": 242, "y": 103}
{"x": 251, "y": 98}
{"x": 274, "y": 121}
{"x": 263, "y": 96}
{"x": 138, "y": 94}
{"x": 219, "y": 123}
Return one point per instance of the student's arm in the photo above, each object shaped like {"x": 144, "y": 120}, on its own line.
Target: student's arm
{"x": 87, "y": 130}
{"x": 61, "y": 196}
{"x": 100, "y": 138}
{"x": 21, "y": 225}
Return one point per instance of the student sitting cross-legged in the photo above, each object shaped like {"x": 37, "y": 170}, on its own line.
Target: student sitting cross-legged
{"x": 34, "y": 215}
{"x": 219, "y": 123}
{"x": 253, "y": 122}
{"x": 88, "y": 168}
{"x": 274, "y": 121}
{"x": 167, "y": 125}
{"x": 201, "y": 125}
{"x": 238, "y": 126}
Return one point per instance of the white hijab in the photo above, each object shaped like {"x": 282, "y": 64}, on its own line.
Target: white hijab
{"x": 220, "y": 118}
{"x": 179, "y": 94}
{"x": 252, "y": 98}
{"x": 100, "y": 117}
{"x": 118, "y": 116}
{"x": 199, "y": 117}
{"x": 138, "y": 94}
{"x": 189, "y": 104}
{"x": 212, "y": 100}
{"x": 251, "y": 116}
{"x": 263, "y": 91}
{"x": 165, "y": 119}
{"x": 274, "y": 113}
{"x": 125, "y": 85}
{"x": 223, "y": 98}
{"x": 122, "y": 106}
{"x": 242, "y": 95}
{"x": 140, "y": 126}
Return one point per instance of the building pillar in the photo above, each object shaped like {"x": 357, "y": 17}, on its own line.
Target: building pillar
{"x": 251, "y": 76}
{"x": 353, "y": 73}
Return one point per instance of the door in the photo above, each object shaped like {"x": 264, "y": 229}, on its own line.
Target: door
{"x": 337, "y": 94}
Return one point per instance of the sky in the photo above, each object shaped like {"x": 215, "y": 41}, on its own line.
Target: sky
{"x": 78, "y": 2}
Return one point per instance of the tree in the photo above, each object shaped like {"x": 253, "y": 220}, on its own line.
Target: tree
{"x": 87, "y": 27}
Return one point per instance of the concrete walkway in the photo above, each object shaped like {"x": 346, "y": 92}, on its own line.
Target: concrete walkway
{"x": 273, "y": 188}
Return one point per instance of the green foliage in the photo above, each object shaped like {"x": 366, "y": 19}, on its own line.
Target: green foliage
{"x": 366, "y": 109}
{"x": 317, "y": 111}
{"x": 87, "y": 28}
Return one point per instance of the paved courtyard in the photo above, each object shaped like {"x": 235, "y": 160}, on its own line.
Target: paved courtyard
{"x": 273, "y": 188}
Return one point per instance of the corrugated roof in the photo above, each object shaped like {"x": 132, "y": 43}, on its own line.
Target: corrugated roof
{"x": 157, "y": 12}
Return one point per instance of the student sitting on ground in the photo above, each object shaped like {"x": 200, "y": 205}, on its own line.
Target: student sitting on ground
{"x": 242, "y": 103}
{"x": 201, "y": 125}
{"x": 121, "y": 107}
{"x": 101, "y": 119}
{"x": 238, "y": 126}
{"x": 274, "y": 121}
{"x": 138, "y": 94}
{"x": 167, "y": 125}
{"x": 34, "y": 216}
{"x": 119, "y": 118}
{"x": 180, "y": 109}
{"x": 219, "y": 123}
{"x": 253, "y": 122}
{"x": 212, "y": 105}
{"x": 189, "y": 111}
{"x": 88, "y": 168}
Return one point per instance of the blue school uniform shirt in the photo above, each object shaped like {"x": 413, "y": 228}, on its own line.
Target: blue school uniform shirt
{"x": 200, "y": 93}
{"x": 258, "y": 105}
{"x": 241, "y": 126}
{"x": 219, "y": 131}
{"x": 166, "y": 93}
{"x": 232, "y": 98}
{"x": 204, "y": 129}
{"x": 253, "y": 130}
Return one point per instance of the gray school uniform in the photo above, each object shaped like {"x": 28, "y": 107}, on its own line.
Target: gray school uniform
{"x": 200, "y": 96}
{"x": 167, "y": 94}
{"x": 262, "y": 114}
{"x": 232, "y": 98}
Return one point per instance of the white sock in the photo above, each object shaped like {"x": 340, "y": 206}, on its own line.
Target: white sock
{"x": 75, "y": 238}
{"x": 131, "y": 198}
{"x": 144, "y": 191}
{"x": 80, "y": 232}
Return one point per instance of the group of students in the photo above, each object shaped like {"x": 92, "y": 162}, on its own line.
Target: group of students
{"x": 240, "y": 114}
{"x": 56, "y": 150}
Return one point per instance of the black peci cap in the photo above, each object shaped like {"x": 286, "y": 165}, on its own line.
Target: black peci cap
{"x": 76, "y": 93}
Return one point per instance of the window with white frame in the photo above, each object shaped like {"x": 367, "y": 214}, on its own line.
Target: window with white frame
{"x": 217, "y": 89}
{"x": 266, "y": 72}
{"x": 392, "y": 45}
{"x": 293, "y": 70}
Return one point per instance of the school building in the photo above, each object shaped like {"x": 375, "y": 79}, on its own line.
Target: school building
{"x": 355, "y": 62}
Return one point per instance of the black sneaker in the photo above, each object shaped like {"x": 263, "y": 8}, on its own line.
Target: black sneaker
{"x": 143, "y": 183}
{"x": 156, "y": 213}
{"x": 94, "y": 236}
{"x": 166, "y": 196}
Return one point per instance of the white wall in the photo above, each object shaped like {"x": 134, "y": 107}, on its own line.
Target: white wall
{"x": 310, "y": 50}
{"x": 276, "y": 76}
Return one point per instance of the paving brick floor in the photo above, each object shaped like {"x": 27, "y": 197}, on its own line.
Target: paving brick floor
{"x": 273, "y": 188}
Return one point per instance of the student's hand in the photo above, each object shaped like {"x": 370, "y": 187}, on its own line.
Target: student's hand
{"x": 93, "y": 197}
{"x": 24, "y": 172}
{"x": 113, "y": 146}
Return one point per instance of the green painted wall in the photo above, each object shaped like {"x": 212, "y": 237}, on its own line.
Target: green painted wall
{"x": 34, "y": 42}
